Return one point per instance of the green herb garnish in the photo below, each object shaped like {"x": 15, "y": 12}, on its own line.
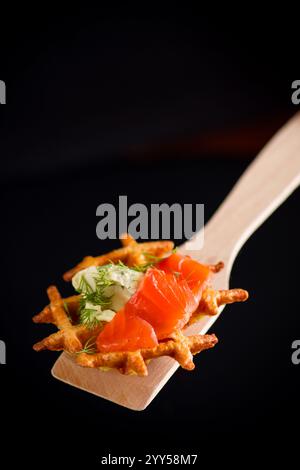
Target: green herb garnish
{"x": 88, "y": 316}
{"x": 152, "y": 260}
{"x": 89, "y": 347}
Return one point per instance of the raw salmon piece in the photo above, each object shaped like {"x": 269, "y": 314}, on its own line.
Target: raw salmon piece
{"x": 164, "y": 301}
{"x": 126, "y": 333}
{"x": 196, "y": 274}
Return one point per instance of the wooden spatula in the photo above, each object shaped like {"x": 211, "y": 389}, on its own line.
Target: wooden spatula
{"x": 267, "y": 182}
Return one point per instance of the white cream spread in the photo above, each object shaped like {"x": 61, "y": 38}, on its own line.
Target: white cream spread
{"x": 105, "y": 290}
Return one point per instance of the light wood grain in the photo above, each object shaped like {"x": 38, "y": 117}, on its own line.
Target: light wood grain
{"x": 267, "y": 182}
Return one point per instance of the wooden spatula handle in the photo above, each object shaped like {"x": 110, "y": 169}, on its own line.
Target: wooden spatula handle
{"x": 266, "y": 183}
{"x": 264, "y": 186}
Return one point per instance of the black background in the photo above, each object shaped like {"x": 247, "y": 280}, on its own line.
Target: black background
{"x": 86, "y": 92}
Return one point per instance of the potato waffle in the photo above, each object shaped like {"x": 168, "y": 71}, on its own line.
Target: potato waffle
{"x": 132, "y": 253}
{"x": 79, "y": 340}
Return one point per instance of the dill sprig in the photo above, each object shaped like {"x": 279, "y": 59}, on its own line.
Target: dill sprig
{"x": 120, "y": 263}
{"x": 142, "y": 268}
{"x": 151, "y": 261}
{"x": 88, "y": 316}
{"x": 89, "y": 347}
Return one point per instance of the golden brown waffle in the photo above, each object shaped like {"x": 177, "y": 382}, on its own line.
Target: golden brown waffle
{"x": 212, "y": 299}
{"x": 70, "y": 304}
{"x": 209, "y": 305}
{"x": 179, "y": 347}
{"x": 70, "y": 337}
{"x": 59, "y": 341}
{"x": 78, "y": 340}
{"x": 73, "y": 339}
{"x": 131, "y": 254}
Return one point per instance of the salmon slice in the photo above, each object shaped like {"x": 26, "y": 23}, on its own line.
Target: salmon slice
{"x": 126, "y": 332}
{"x": 164, "y": 301}
{"x": 196, "y": 274}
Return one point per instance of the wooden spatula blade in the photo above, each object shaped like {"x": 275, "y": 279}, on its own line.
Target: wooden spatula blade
{"x": 129, "y": 391}
{"x": 267, "y": 182}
